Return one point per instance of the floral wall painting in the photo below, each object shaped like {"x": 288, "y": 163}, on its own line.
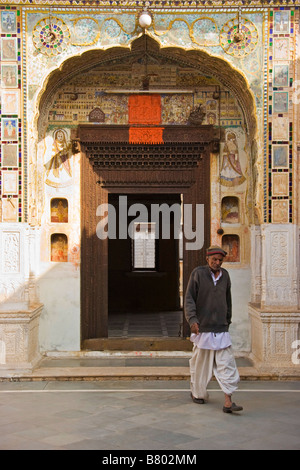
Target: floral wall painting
{"x": 280, "y": 155}
{"x": 10, "y": 182}
{"x": 231, "y": 244}
{"x": 280, "y": 184}
{"x": 281, "y": 102}
{"x": 205, "y": 32}
{"x": 280, "y": 128}
{"x": 281, "y": 75}
{"x": 59, "y": 211}
{"x": 85, "y": 32}
{"x": 59, "y": 248}
{"x": 230, "y": 210}
{"x": 280, "y": 211}
{"x": 281, "y": 21}
{"x": 9, "y": 209}
{"x": 231, "y": 172}
{"x": 9, "y": 75}
{"x": 10, "y": 102}
{"x": 9, "y": 49}
{"x": 281, "y": 49}
{"x": 10, "y": 155}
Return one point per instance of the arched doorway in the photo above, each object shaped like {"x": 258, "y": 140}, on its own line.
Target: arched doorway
{"x": 203, "y": 74}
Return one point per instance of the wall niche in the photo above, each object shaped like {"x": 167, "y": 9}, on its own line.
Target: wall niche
{"x": 231, "y": 244}
{"x": 59, "y": 248}
{"x": 59, "y": 211}
{"x": 230, "y": 209}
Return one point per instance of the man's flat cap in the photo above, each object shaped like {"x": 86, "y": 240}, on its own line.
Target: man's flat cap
{"x": 215, "y": 250}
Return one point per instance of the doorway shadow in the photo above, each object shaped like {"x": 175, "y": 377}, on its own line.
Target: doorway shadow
{"x": 144, "y": 269}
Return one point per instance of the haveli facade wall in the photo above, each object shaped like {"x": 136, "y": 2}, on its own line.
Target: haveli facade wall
{"x": 249, "y": 88}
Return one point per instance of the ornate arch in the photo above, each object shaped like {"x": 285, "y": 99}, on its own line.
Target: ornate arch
{"x": 201, "y": 61}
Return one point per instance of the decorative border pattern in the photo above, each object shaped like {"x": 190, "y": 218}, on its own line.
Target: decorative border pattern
{"x": 11, "y": 122}
{"x": 152, "y": 3}
{"x": 280, "y": 123}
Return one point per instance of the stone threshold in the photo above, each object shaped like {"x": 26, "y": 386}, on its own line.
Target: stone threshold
{"x": 135, "y": 373}
{"x": 132, "y": 365}
{"x": 139, "y": 343}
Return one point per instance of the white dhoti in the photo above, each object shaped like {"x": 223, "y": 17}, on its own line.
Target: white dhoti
{"x": 205, "y": 363}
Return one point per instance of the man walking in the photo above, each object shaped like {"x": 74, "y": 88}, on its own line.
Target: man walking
{"x": 208, "y": 310}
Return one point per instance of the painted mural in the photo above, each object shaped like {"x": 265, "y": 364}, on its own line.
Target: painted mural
{"x": 73, "y": 34}
{"x": 90, "y": 97}
{"x": 231, "y": 171}
{"x": 58, "y": 170}
{"x": 230, "y": 210}
{"x": 231, "y": 244}
{"x": 59, "y": 248}
{"x": 59, "y": 211}
{"x": 51, "y": 37}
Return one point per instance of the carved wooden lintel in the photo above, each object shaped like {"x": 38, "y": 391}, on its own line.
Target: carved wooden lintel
{"x": 114, "y": 133}
{"x": 145, "y": 157}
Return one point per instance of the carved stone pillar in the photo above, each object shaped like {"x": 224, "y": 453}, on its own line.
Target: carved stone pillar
{"x": 19, "y": 304}
{"x": 19, "y": 344}
{"x": 274, "y": 313}
{"x": 279, "y": 266}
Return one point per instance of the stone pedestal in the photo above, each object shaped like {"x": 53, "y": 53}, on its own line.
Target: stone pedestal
{"x": 19, "y": 341}
{"x": 20, "y": 308}
{"x": 275, "y": 343}
{"x": 274, "y": 312}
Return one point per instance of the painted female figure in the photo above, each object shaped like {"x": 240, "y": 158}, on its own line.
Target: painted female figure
{"x": 60, "y": 155}
{"x": 231, "y": 172}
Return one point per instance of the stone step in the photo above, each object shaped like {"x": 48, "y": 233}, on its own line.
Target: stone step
{"x": 130, "y": 367}
{"x": 104, "y": 373}
{"x": 128, "y": 373}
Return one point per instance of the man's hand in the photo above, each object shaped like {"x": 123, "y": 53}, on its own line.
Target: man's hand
{"x": 195, "y": 328}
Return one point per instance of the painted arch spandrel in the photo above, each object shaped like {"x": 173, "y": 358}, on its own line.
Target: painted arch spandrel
{"x": 211, "y": 32}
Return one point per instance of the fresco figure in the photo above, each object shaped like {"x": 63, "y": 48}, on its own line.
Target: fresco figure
{"x": 59, "y": 248}
{"x": 10, "y": 129}
{"x": 59, "y": 211}
{"x": 60, "y": 156}
{"x": 231, "y": 172}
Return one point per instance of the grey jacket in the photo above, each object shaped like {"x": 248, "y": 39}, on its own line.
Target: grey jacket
{"x": 206, "y": 304}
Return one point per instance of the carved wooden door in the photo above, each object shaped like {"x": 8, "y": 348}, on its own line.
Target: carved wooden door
{"x": 110, "y": 164}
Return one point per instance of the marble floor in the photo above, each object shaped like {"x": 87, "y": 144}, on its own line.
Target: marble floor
{"x": 152, "y": 416}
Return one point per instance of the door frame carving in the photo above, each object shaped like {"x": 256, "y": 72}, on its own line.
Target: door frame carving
{"x": 111, "y": 164}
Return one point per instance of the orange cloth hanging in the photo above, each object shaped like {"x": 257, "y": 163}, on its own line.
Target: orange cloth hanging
{"x": 145, "y": 109}
{"x": 146, "y": 135}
